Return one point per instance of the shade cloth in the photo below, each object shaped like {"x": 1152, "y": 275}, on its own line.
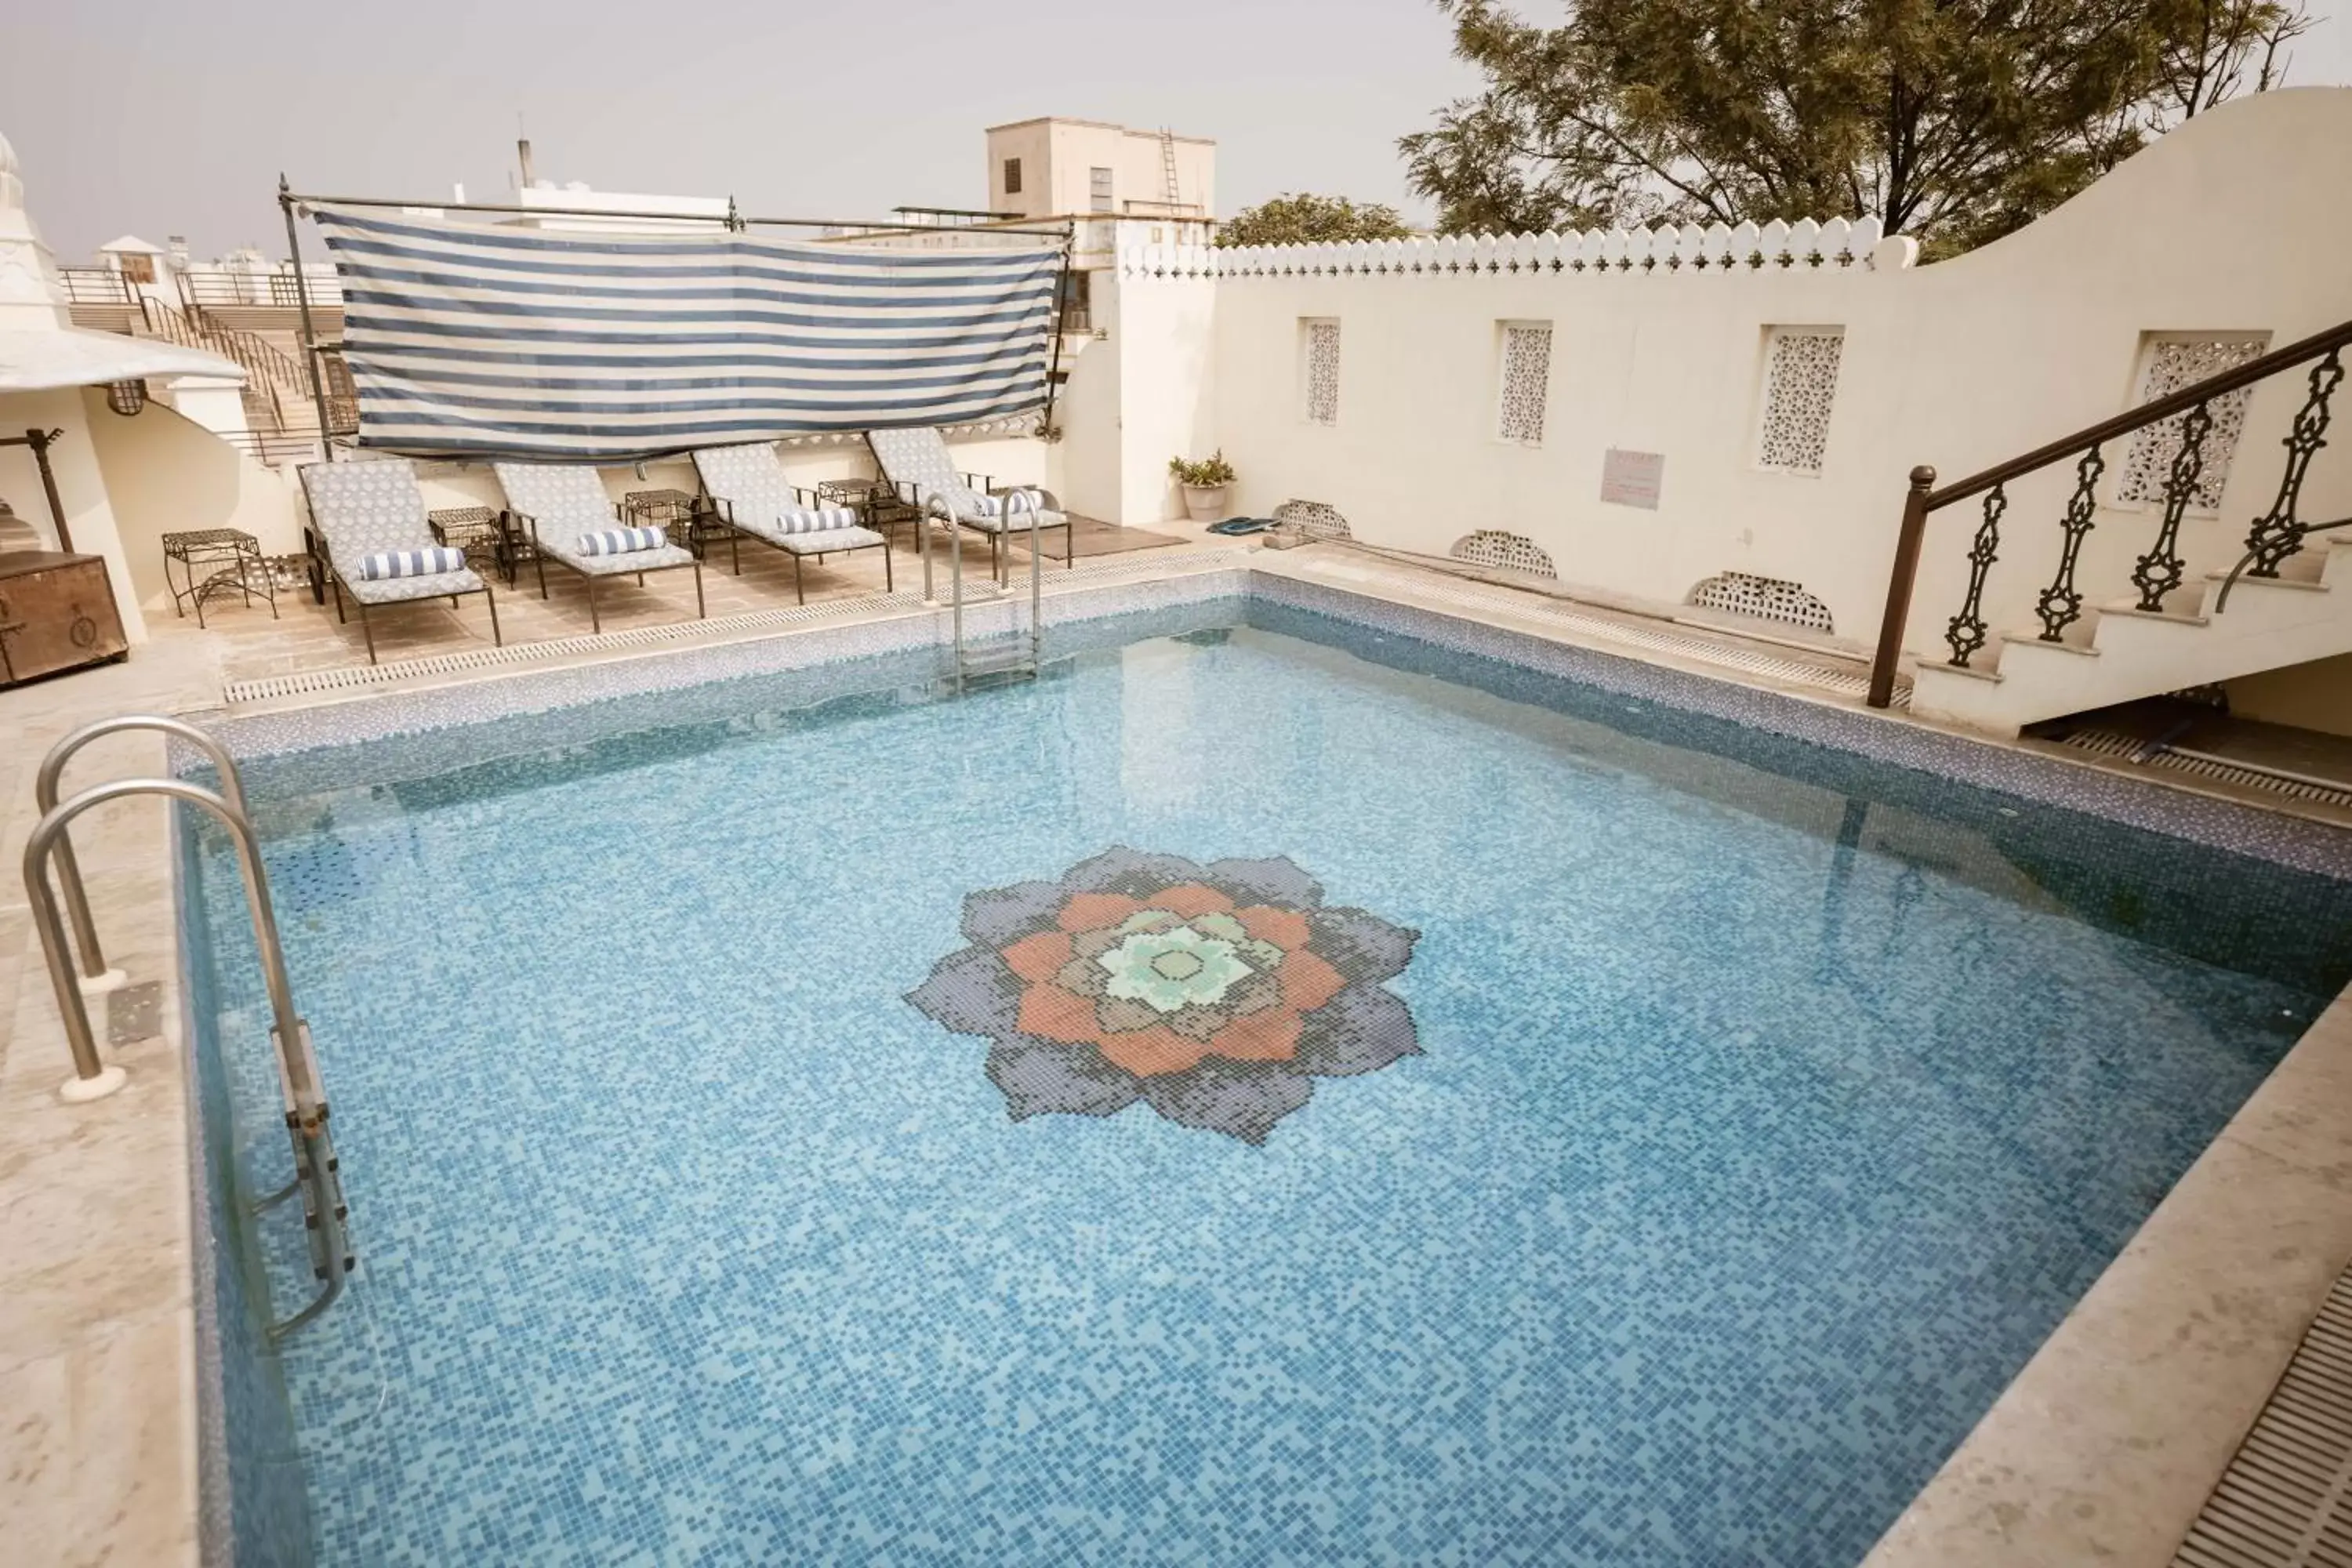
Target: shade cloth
{"x": 600, "y": 347}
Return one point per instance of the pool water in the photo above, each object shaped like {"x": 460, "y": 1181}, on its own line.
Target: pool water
{"x": 1557, "y": 1132}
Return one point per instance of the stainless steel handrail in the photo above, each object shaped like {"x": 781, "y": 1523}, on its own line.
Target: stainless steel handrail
{"x": 96, "y": 976}
{"x": 937, "y": 506}
{"x": 306, "y": 1107}
{"x": 1027, "y": 501}
{"x": 2221, "y": 600}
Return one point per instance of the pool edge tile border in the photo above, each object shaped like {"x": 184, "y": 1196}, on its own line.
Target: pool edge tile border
{"x": 2151, "y": 806}
{"x": 2075, "y": 1461}
{"x": 2105, "y": 1445}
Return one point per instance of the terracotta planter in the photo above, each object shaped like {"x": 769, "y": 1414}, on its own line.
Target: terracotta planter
{"x": 1204, "y": 503}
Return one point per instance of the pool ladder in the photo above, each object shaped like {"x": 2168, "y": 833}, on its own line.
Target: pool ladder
{"x": 316, "y": 1175}
{"x": 1017, "y": 660}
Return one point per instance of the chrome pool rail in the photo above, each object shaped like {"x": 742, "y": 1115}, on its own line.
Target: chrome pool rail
{"x": 317, "y": 1170}
{"x": 95, "y": 975}
{"x": 1026, "y": 659}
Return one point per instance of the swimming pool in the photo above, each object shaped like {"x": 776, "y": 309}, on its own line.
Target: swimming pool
{"x": 1270, "y": 1093}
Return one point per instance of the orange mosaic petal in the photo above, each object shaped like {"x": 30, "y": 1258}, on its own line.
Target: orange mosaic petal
{"x": 1268, "y": 1036}
{"x": 1039, "y": 957}
{"x": 1190, "y": 899}
{"x": 1057, "y": 1014}
{"x": 1090, "y": 911}
{"x": 1149, "y": 1052}
{"x": 1308, "y": 981}
{"x": 1286, "y": 929}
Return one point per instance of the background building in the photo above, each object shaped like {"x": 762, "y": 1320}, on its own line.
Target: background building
{"x": 1052, "y": 167}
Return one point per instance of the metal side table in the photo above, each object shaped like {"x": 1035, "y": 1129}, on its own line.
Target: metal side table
{"x": 216, "y": 561}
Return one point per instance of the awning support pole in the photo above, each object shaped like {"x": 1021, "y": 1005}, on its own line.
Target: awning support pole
{"x": 38, "y": 440}
{"x": 309, "y": 332}
{"x": 1054, "y": 366}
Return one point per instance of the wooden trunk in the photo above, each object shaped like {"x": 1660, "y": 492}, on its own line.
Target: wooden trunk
{"x": 56, "y": 612}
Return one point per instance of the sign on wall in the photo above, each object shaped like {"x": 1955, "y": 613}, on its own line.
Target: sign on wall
{"x": 1631, "y": 479}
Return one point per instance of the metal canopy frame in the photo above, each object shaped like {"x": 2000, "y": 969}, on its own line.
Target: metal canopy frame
{"x": 288, "y": 199}
{"x": 40, "y": 441}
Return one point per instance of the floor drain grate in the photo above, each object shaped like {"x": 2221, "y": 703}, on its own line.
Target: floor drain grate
{"x": 2283, "y": 1502}
{"x": 2204, "y": 765}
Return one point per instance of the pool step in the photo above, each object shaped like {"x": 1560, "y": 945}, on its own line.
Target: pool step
{"x": 998, "y": 666}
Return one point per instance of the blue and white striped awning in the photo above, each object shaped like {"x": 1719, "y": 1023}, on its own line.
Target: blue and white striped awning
{"x": 465, "y": 339}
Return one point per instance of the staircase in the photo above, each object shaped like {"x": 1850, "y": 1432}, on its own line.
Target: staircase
{"x": 2304, "y": 613}
{"x": 281, "y": 419}
{"x": 2286, "y": 600}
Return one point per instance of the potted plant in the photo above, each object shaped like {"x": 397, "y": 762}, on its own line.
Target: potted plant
{"x": 1205, "y": 480}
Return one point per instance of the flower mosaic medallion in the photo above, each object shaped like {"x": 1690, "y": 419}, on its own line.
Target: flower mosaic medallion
{"x": 1217, "y": 995}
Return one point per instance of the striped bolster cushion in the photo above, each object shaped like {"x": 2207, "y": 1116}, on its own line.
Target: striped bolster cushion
{"x": 994, "y": 506}
{"x": 817, "y": 520}
{"x": 430, "y": 561}
{"x": 622, "y": 541}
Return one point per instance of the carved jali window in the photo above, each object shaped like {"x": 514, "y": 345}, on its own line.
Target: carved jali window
{"x": 1322, "y": 371}
{"x": 1526, "y": 379}
{"x": 1799, "y": 385}
{"x": 2167, "y": 366}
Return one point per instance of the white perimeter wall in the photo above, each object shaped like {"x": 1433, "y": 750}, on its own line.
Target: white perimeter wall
{"x": 2233, "y": 225}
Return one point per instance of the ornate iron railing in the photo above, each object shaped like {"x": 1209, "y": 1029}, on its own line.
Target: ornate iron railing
{"x": 2274, "y": 536}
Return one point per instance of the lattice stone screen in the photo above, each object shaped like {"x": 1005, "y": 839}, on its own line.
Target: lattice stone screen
{"x": 1767, "y": 598}
{"x": 1526, "y": 379}
{"x": 2169, "y": 365}
{"x": 1322, "y": 371}
{"x": 1511, "y": 551}
{"x": 1313, "y": 519}
{"x": 1799, "y": 385}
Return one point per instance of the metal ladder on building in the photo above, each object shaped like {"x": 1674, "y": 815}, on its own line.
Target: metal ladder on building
{"x": 1168, "y": 165}
{"x": 1016, "y": 660}
{"x": 316, "y": 1175}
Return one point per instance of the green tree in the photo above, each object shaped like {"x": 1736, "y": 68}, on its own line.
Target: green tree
{"x": 1308, "y": 219}
{"x": 1953, "y": 121}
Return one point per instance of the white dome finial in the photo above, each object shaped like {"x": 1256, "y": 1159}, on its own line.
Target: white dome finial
{"x": 7, "y": 157}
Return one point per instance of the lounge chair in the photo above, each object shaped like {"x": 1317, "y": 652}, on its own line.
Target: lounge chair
{"x": 753, "y": 497}
{"x": 564, "y": 508}
{"x": 917, "y": 463}
{"x": 370, "y": 535}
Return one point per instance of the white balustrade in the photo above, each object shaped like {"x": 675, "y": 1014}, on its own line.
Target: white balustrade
{"x": 1809, "y": 244}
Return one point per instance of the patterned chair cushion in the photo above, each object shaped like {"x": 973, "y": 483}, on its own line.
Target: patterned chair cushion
{"x": 566, "y": 499}
{"x": 831, "y": 540}
{"x": 366, "y": 507}
{"x": 753, "y": 493}
{"x": 430, "y": 561}
{"x": 622, "y": 541}
{"x": 399, "y": 590}
{"x": 918, "y": 458}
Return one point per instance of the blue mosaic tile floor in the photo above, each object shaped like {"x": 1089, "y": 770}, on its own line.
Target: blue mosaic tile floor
{"x": 1769, "y": 1110}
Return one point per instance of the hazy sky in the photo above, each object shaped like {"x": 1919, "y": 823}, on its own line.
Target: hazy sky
{"x": 156, "y": 119}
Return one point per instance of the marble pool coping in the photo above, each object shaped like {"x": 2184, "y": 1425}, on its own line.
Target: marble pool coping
{"x": 2107, "y": 1443}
